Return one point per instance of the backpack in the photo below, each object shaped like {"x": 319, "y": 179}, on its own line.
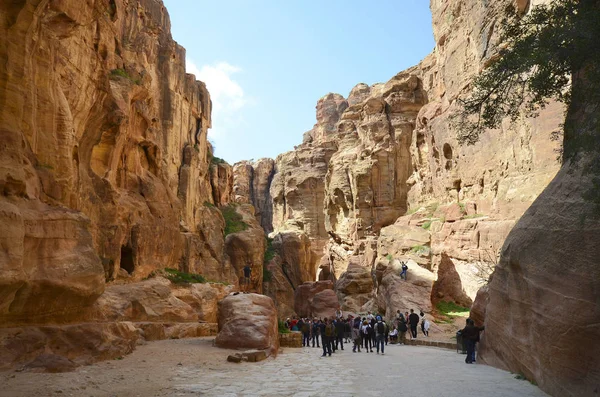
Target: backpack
{"x": 329, "y": 330}
{"x": 380, "y": 328}
{"x": 402, "y": 327}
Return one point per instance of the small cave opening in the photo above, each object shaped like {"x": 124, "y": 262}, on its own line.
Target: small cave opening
{"x": 447, "y": 151}
{"x": 127, "y": 262}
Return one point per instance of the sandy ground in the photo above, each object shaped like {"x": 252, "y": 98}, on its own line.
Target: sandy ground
{"x": 193, "y": 367}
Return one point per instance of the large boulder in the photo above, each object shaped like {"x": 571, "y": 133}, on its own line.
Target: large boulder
{"x": 248, "y": 321}
{"x": 305, "y": 293}
{"x": 394, "y": 293}
{"x": 324, "y": 304}
{"x": 355, "y": 287}
{"x": 543, "y": 317}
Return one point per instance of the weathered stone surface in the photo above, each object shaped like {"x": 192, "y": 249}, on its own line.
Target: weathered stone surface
{"x": 549, "y": 267}
{"x": 254, "y": 356}
{"x": 251, "y": 184}
{"x": 247, "y": 246}
{"x": 355, "y": 287}
{"x": 292, "y": 339}
{"x": 50, "y": 363}
{"x": 234, "y": 358}
{"x": 480, "y": 303}
{"x": 204, "y": 298}
{"x": 104, "y": 167}
{"x": 248, "y": 321}
{"x": 305, "y": 295}
{"x": 80, "y": 343}
{"x": 49, "y": 271}
{"x": 150, "y": 300}
{"x": 448, "y": 286}
{"x": 324, "y": 304}
{"x": 394, "y": 294}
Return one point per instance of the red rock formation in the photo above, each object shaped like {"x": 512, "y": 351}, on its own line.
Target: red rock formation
{"x": 305, "y": 294}
{"x": 542, "y": 317}
{"x": 248, "y": 321}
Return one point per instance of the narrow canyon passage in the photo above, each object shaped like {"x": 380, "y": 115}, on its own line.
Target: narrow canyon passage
{"x": 193, "y": 367}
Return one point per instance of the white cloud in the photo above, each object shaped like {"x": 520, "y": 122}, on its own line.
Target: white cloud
{"x": 227, "y": 95}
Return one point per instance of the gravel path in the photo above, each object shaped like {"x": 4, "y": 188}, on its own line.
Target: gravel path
{"x": 193, "y": 367}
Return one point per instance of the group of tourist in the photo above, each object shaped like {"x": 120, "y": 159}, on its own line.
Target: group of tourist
{"x": 368, "y": 332}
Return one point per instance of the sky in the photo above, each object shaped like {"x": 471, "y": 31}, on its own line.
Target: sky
{"x": 266, "y": 63}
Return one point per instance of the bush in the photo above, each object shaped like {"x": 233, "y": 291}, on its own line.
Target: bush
{"x": 116, "y": 73}
{"x": 267, "y": 275}
{"x": 419, "y": 249}
{"x": 427, "y": 225}
{"x": 270, "y": 251}
{"x": 234, "y": 222}
{"x": 217, "y": 160}
{"x": 389, "y": 257}
{"x": 177, "y": 277}
{"x": 451, "y": 309}
{"x": 282, "y": 328}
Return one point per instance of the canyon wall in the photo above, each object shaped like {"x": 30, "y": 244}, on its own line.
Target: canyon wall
{"x": 106, "y": 178}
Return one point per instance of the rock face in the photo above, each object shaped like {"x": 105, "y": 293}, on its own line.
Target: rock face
{"x": 315, "y": 299}
{"x": 251, "y": 184}
{"x": 105, "y": 166}
{"x": 548, "y": 267}
{"x": 247, "y": 246}
{"x": 248, "y": 321}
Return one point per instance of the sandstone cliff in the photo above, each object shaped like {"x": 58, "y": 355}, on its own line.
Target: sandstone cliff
{"x": 381, "y": 177}
{"x": 106, "y": 177}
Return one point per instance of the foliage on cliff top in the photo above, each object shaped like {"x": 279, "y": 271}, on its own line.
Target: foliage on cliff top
{"x": 177, "y": 277}
{"x": 234, "y": 222}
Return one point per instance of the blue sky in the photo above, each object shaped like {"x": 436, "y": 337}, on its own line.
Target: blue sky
{"x": 266, "y": 62}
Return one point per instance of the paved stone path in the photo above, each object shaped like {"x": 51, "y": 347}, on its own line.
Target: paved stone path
{"x": 193, "y": 367}
{"x": 409, "y": 370}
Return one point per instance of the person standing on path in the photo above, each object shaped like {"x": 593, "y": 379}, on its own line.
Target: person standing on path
{"x": 413, "y": 320}
{"x": 339, "y": 334}
{"x": 380, "y": 334}
{"x": 305, "y": 333}
{"x": 402, "y": 328}
{"x": 470, "y": 335}
{"x": 316, "y": 331}
{"x": 424, "y": 324}
{"x": 327, "y": 331}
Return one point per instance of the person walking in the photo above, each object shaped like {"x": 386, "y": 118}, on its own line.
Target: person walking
{"x": 356, "y": 339}
{"x": 380, "y": 334}
{"x": 366, "y": 336}
{"x": 470, "y": 334}
{"x": 316, "y": 331}
{"x": 413, "y": 320}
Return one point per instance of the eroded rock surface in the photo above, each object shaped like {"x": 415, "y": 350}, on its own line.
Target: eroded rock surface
{"x": 248, "y": 321}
